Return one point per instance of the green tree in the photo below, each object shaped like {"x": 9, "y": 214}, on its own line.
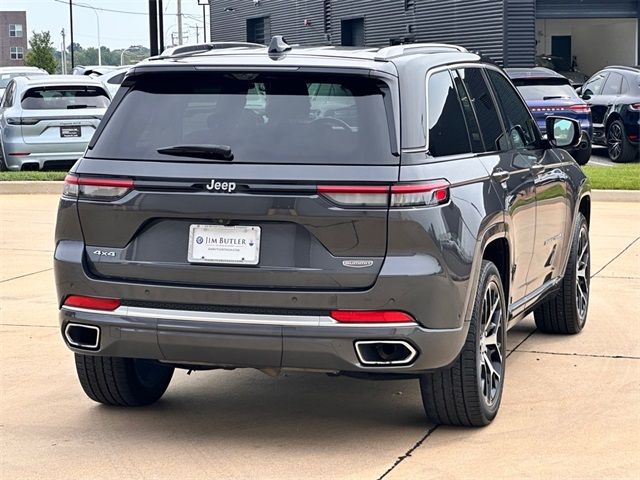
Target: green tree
{"x": 41, "y": 52}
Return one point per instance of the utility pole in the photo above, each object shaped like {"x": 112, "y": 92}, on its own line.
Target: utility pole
{"x": 161, "y": 26}
{"x": 153, "y": 27}
{"x": 71, "y": 25}
{"x": 63, "y": 53}
{"x": 197, "y": 33}
{"x": 204, "y": 23}
{"x": 179, "y": 22}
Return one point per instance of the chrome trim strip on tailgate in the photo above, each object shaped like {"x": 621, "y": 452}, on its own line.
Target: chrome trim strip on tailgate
{"x": 233, "y": 318}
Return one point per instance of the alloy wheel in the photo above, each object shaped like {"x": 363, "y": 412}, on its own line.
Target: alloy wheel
{"x": 490, "y": 358}
{"x": 614, "y": 141}
{"x": 583, "y": 268}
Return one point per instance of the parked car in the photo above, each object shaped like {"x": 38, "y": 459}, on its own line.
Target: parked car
{"x": 47, "y": 121}
{"x": 614, "y": 96}
{"x": 7, "y": 73}
{"x": 92, "y": 70}
{"x": 113, "y": 79}
{"x": 548, "y": 93}
{"x": 400, "y": 240}
{"x": 558, "y": 64}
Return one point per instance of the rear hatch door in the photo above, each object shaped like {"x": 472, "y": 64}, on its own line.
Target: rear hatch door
{"x": 300, "y": 205}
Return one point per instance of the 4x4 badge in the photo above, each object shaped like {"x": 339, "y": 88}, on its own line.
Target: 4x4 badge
{"x": 357, "y": 263}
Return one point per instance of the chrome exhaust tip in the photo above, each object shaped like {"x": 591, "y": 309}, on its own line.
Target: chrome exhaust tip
{"x": 86, "y": 337}
{"x": 385, "y": 352}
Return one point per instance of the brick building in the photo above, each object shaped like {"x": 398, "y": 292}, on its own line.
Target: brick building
{"x": 13, "y": 38}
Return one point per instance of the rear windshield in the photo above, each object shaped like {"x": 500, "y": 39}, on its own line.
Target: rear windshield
{"x": 61, "y": 98}
{"x": 545, "y": 89}
{"x": 263, "y": 117}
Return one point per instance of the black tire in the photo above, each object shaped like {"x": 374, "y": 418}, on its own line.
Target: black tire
{"x": 455, "y": 395}
{"x": 582, "y": 156}
{"x": 3, "y": 165}
{"x": 619, "y": 148}
{"x": 566, "y": 311}
{"x": 123, "y": 382}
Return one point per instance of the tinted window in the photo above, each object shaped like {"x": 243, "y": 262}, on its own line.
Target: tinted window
{"x": 264, "y": 117}
{"x": 594, "y": 85}
{"x": 447, "y": 130}
{"x": 469, "y": 114}
{"x": 117, "y": 79}
{"x": 544, "y": 88}
{"x": 7, "y": 100}
{"x": 61, "y": 97}
{"x": 484, "y": 107}
{"x": 515, "y": 114}
{"x": 613, "y": 85}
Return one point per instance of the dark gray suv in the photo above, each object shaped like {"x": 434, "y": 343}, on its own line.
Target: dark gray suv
{"x": 379, "y": 213}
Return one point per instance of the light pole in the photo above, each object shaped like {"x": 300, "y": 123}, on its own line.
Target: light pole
{"x": 132, "y": 47}
{"x": 98, "y": 23}
{"x": 204, "y": 4}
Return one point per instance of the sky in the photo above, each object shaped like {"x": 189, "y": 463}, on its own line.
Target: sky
{"x": 117, "y": 30}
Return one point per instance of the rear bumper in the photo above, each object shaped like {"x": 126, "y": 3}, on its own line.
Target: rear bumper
{"x": 258, "y": 341}
{"x": 40, "y": 153}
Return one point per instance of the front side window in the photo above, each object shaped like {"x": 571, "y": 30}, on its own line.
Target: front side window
{"x": 518, "y": 121}
{"x": 15, "y": 30}
{"x": 263, "y": 117}
{"x": 613, "y": 85}
{"x": 64, "y": 98}
{"x": 447, "y": 130}
{"x": 594, "y": 85}
{"x": 16, "y": 53}
{"x": 486, "y": 112}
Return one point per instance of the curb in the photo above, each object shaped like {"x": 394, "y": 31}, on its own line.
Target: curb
{"x": 31, "y": 188}
{"x": 55, "y": 188}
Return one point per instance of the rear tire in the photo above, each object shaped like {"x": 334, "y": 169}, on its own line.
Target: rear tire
{"x": 566, "y": 311}
{"x": 123, "y": 382}
{"x": 3, "y": 165}
{"x": 619, "y": 148}
{"x": 468, "y": 392}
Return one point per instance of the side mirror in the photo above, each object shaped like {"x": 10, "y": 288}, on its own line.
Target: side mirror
{"x": 563, "y": 132}
{"x": 586, "y": 94}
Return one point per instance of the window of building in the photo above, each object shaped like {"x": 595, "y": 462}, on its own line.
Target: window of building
{"x": 16, "y": 53}
{"x": 352, "y": 31}
{"x": 15, "y": 30}
{"x": 447, "y": 130}
{"x": 258, "y": 30}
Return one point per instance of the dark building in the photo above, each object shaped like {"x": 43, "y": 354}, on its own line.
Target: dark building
{"x": 13, "y": 38}
{"x": 511, "y": 32}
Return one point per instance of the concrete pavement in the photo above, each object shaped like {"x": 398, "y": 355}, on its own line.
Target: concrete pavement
{"x": 570, "y": 407}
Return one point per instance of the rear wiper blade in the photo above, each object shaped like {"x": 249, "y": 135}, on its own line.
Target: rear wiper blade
{"x": 553, "y": 97}
{"x": 77, "y": 105}
{"x": 214, "y": 152}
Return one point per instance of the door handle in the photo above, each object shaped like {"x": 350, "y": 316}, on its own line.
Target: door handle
{"x": 500, "y": 175}
{"x": 537, "y": 168}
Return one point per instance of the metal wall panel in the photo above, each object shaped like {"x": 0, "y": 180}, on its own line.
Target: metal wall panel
{"x": 474, "y": 24}
{"x": 300, "y": 21}
{"x": 587, "y": 8}
{"x": 520, "y": 33}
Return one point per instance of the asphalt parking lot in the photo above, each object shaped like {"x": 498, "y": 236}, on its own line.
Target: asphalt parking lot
{"x": 600, "y": 157}
{"x": 570, "y": 406}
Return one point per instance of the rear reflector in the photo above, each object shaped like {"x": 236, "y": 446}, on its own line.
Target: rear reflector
{"x": 401, "y": 195}
{"x": 96, "y": 188}
{"x": 369, "y": 316}
{"x": 92, "y": 303}
{"x": 20, "y": 154}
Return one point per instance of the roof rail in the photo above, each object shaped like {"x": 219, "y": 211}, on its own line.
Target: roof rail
{"x": 186, "y": 50}
{"x": 395, "y": 51}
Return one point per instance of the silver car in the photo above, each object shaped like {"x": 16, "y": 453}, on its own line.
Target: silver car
{"x": 47, "y": 121}
{"x": 7, "y": 73}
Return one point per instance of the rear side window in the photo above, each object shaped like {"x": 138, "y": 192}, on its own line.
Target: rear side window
{"x": 264, "y": 117}
{"x": 519, "y": 123}
{"x": 485, "y": 109}
{"x": 469, "y": 114}
{"x": 64, "y": 97}
{"x": 447, "y": 130}
{"x": 613, "y": 85}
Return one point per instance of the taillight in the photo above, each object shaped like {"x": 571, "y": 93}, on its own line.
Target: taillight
{"x": 96, "y": 188}
{"x": 397, "y": 196}
{"x": 580, "y": 108}
{"x": 19, "y": 154}
{"x": 634, "y": 106}
{"x": 371, "y": 316}
{"x": 22, "y": 121}
{"x": 91, "y": 303}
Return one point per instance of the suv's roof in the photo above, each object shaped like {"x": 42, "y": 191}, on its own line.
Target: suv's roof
{"x": 624, "y": 68}
{"x": 53, "y": 80}
{"x": 21, "y": 70}
{"x": 373, "y": 58}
